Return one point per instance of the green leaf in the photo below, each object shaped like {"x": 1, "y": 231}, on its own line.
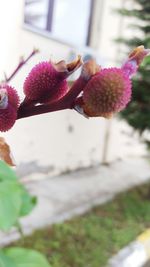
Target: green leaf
{"x": 28, "y": 203}
{"x": 15, "y": 202}
{"x": 146, "y": 61}
{"x": 14, "y": 199}
{"x": 6, "y": 173}
{"x": 10, "y": 204}
{"x": 26, "y": 258}
{"x": 5, "y": 261}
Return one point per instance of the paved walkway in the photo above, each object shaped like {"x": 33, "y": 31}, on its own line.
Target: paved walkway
{"x": 147, "y": 265}
{"x": 62, "y": 197}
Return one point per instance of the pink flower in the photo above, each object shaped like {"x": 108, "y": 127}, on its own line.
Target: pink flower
{"x": 107, "y": 92}
{"x": 47, "y": 81}
{"x": 9, "y": 102}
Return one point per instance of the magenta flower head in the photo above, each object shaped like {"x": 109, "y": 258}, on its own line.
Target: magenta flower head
{"x": 109, "y": 90}
{"x": 9, "y": 102}
{"x": 47, "y": 81}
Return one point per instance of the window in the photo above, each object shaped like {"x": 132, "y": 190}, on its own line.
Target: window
{"x": 65, "y": 20}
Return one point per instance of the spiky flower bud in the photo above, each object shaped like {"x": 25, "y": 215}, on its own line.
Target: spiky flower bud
{"x": 9, "y": 102}
{"x": 47, "y": 81}
{"x": 107, "y": 92}
{"x": 12, "y": 94}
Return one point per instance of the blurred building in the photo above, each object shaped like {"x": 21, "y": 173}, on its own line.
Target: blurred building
{"x": 60, "y": 29}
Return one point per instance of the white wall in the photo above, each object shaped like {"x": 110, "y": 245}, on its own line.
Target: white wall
{"x": 47, "y": 139}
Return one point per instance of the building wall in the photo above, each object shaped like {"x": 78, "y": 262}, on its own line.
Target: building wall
{"x": 62, "y": 140}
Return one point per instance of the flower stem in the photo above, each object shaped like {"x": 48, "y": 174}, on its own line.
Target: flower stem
{"x": 20, "y": 65}
{"x": 67, "y": 102}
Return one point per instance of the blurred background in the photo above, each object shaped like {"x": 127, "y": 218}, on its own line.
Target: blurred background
{"x": 61, "y": 29}
{"x": 60, "y": 142}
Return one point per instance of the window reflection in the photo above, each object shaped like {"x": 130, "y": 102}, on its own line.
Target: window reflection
{"x": 65, "y": 20}
{"x": 36, "y": 12}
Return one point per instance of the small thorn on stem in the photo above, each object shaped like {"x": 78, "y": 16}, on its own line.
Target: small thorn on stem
{"x": 21, "y": 59}
{"x": 5, "y": 76}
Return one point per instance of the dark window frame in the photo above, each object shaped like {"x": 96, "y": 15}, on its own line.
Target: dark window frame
{"x": 50, "y": 15}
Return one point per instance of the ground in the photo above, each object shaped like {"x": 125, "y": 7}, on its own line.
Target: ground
{"x": 91, "y": 239}
{"x": 147, "y": 265}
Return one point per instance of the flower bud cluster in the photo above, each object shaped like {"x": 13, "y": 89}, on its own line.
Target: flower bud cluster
{"x": 98, "y": 92}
